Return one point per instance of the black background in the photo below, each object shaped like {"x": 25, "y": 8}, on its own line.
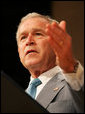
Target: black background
{"x": 11, "y": 13}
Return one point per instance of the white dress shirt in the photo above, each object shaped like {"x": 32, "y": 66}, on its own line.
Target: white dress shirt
{"x": 76, "y": 80}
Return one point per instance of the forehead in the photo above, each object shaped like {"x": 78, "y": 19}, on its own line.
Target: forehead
{"x": 30, "y": 23}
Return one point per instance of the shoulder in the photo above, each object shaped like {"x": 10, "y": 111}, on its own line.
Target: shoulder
{"x": 67, "y": 99}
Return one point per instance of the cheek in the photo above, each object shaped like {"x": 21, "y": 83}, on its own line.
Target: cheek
{"x": 21, "y": 52}
{"x": 42, "y": 48}
{"x": 46, "y": 49}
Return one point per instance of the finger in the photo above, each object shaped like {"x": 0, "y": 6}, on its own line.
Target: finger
{"x": 61, "y": 32}
{"x": 55, "y": 36}
{"x": 63, "y": 25}
{"x": 52, "y": 35}
{"x": 57, "y": 31}
{"x": 55, "y": 45}
{"x": 57, "y": 50}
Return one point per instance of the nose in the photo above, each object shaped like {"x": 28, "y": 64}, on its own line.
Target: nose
{"x": 30, "y": 40}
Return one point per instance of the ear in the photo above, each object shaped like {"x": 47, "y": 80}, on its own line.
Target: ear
{"x": 63, "y": 25}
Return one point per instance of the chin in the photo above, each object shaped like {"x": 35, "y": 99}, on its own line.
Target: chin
{"x": 31, "y": 63}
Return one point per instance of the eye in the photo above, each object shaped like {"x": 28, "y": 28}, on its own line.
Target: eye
{"x": 23, "y": 37}
{"x": 38, "y": 34}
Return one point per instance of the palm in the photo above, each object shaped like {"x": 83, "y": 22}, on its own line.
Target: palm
{"x": 61, "y": 43}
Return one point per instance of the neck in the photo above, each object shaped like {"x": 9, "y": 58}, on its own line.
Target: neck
{"x": 35, "y": 73}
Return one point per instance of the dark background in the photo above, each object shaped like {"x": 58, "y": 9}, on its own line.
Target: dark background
{"x": 11, "y": 13}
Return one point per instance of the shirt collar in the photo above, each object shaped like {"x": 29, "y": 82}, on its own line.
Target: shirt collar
{"x": 48, "y": 74}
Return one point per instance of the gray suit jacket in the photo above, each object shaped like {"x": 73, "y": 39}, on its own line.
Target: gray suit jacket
{"x": 58, "y": 97}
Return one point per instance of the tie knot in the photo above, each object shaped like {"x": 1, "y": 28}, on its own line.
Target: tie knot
{"x": 36, "y": 82}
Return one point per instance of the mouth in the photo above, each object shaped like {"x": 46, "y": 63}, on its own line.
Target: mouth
{"x": 31, "y": 51}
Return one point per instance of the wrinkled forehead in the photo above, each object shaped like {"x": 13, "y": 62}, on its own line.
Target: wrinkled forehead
{"x": 33, "y": 22}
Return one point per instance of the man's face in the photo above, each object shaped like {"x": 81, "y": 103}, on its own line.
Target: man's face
{"x": 33, "y": 47}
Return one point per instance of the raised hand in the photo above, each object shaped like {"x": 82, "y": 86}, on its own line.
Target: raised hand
{"x": 61, "y": 42}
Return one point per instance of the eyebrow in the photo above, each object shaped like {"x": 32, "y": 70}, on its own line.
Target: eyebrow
{"x": 38, "y": 29}
{"x": 33, "y": 30}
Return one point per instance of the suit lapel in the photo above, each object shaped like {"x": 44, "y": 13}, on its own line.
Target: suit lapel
{"x": 51, "y": 89}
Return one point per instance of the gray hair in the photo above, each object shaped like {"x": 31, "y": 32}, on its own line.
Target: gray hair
{"x": 32, "y": 15}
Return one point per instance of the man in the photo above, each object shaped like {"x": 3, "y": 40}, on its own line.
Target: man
{"x": 45, "y": 49}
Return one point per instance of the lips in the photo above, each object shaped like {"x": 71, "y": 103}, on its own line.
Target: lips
{"x": 31, "y": 51}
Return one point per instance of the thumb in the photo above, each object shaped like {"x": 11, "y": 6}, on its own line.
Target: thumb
{"x": 62, "y": 24}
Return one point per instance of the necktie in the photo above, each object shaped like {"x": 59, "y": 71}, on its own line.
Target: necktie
{"x": 33, "y": 87}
